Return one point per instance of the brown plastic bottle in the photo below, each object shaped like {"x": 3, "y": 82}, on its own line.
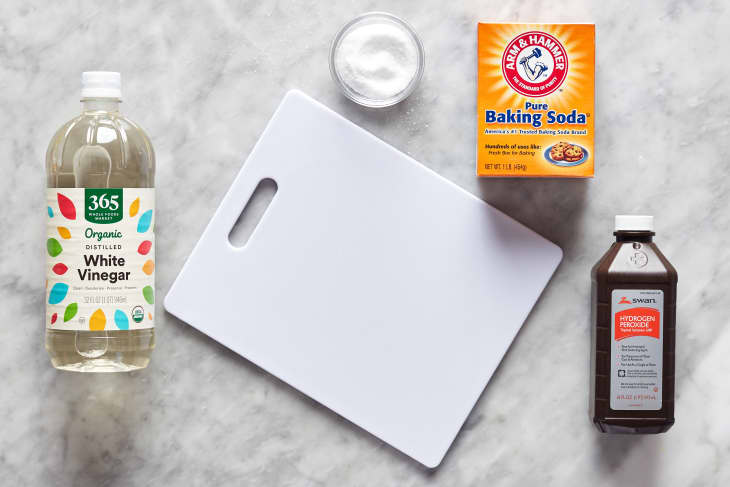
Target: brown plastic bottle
{"x": 633, "y": 320}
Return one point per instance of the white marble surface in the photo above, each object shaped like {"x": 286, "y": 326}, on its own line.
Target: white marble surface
{"x": 203, "y": 77}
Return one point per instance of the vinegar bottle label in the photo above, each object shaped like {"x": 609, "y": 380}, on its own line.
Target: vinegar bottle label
{"x": 100, "y": 247}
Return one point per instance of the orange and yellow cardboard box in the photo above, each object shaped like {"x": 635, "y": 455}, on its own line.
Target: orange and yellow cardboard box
{"x": 535, "y": 100}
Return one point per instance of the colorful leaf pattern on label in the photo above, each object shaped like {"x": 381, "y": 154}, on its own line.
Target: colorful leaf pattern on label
{"x": 54, "y": 247}
{"x": 144, "y": 221}
{"x": 80, "y": 243}
{"x": 70, "y": 311}
{"x": 134, "y": 208}
{"x": 121, "y": 320}
{"x": 97, "y": 322}
{"x": 58, "y": 293}
{"x": 148, "y": 294}
{"x": 144, "y": 247}
{"x": 148, "y": 267}
{"x": 66, "y": 207}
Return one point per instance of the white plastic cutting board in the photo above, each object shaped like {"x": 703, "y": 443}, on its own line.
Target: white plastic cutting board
{"x": 371, "y": 283}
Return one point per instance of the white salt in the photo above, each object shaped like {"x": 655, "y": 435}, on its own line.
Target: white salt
{"x": 377, "y": 60}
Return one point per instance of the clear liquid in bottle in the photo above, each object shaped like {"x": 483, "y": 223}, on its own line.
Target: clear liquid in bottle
{"x": 100, "y": 292}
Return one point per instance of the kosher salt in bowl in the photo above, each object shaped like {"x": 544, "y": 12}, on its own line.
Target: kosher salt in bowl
{"x": 358, "y": 90}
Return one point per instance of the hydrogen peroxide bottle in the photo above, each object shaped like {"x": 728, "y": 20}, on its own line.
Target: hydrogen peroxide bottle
{"x": 100, "y": 289}
{"x": 634, "y": 312}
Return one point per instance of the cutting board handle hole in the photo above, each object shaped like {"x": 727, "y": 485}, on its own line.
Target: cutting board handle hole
{"x": 252, "y": 213}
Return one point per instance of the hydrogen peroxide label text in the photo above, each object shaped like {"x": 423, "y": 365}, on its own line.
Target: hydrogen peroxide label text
{"x": 637, "y": 342}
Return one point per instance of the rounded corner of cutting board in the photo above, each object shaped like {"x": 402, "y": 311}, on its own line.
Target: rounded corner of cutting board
{"x": 433, "y": 461}
{"x": 559, "y": 254}
{"x": 295, "y": 93}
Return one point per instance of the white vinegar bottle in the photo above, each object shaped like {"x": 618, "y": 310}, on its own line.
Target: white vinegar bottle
{"x": 100, "y": 247}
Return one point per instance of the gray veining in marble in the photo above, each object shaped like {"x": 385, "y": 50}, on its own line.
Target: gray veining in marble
{"x": 203, "y": 77}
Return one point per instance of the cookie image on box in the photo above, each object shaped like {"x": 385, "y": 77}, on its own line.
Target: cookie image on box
{"x": 566, "y": 154}
{"x": 573, "y": 153}
{"x": 557, "y": 153}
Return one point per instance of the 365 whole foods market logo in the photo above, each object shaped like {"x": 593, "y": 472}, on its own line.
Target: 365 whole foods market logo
{"x": 534, "y": 64}
{"x": 103, "y": 205}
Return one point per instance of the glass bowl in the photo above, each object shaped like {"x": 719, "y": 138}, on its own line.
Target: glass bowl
{"x": 348, "y": 91}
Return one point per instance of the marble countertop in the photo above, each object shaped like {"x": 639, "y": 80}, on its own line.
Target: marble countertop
{"x": 203, "y": 78}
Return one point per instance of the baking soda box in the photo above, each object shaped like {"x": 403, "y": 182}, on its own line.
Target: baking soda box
{"x": 535, "y": 100}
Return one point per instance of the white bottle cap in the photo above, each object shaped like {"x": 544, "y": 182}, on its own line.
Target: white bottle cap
{"x": 101, "y": 84}
{"x": 636, "y": 223}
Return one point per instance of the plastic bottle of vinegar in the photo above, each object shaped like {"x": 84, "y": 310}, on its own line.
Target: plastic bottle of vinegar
{"x": 100, "y": 246}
